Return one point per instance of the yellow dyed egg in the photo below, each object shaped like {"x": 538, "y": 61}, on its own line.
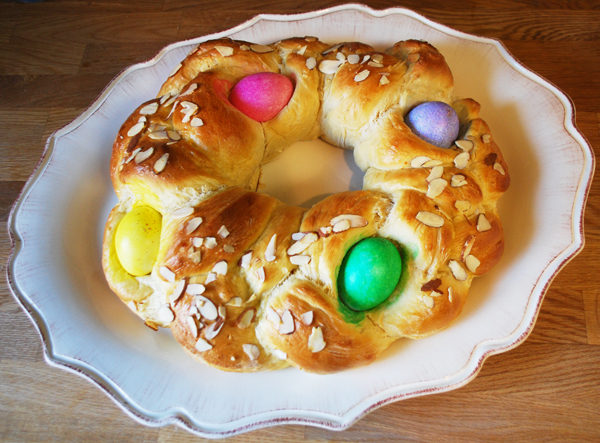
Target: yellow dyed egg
{"x": 137, "y": 240}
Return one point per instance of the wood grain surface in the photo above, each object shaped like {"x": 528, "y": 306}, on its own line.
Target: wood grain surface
{"x": 57, "y": 56}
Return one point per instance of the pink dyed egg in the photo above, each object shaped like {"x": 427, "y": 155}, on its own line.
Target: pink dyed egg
{"x": 261, "y": 96}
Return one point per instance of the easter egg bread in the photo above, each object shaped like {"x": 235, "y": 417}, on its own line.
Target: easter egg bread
{"x": 246, "y": 282}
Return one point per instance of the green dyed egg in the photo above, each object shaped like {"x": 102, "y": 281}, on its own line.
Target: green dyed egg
{"x": 369, "y": 273}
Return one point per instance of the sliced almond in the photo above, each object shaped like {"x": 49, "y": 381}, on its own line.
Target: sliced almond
{"x": 245, "y": 260}
{"x": 340, "y": 56}
{"x": 329, "y": 66}
{"x": 182, "y": 212}
{"x": 467, "y": 247}
{"x": 197, "y": 241}
{"x": 225, "y": 51}
{"x": 486, "y": 138}
{"x": 311, "y": 63}
{"x": 195, "y": 289}
{"x": 133, "y": 154}
{"x": 418, "y": 162}
{"x": 260, "y": 275}
{"x": 436, "y": 187}
{"x": 413, "y": 58}
{"x": 273, "y": 317}
{"x": 143, "y": 155}
{"x": 356, "y": 221}
{"x": 341, "y": 226}
{"x": 223, "y": 232}
{"x": 383, "y": 80}
{"x": 428, "y": 301}
{"x": 251, "y": 351}
{"x": 366, "y": 58}
{"x": 279, "y": 354}
{"x": 261, "y": 49}
{"x": 176, "y": 294}
{"x": 210, "y": 242}
{"x": 432, "y": 163}
{"x": 196, "y": 122}
{"x": 207, "y": 308}
{"x": 353, "y": 59}
{"x": 498, "y": 167}
{"x": 430, "y": 219}
{"x": 191, "y": 325}
{"x": 174, "y": 135}
{"x": 287, "y": 323}
{"x": 165, "y": 315}
{"x": 202, "y": 345}
{"x": 245, "y": 47}
{"x": 211, "y": 277}
{"x": 135, "y": 129}
{"x": 149, "y": 109}
{"x": 436, "y": 172}
{"x": 472, "y": 263}
{"x": 245, "y": 318}
{"x": 315, "y": 340}
{"x": 325, "y": 231}
{"x": 229, "y": 249}
{"x": 300, "y": 260}
{"x": 462, "y": 160}
{"x": 302, "y": 244}
{"x": 235, "y": 302}
{"x": 377, "y": 58}
{"x": 462, "y": 205}
{"x": 298, "y": 235}
{"x": 220, "y": 268}
{"x": 458, "y": 180}
{"x": 362, "y": 75}
{"x": 175, "y": 69}
{"x": 307, "y": 318}
{"x": 192, "y": 225}
{"x": 195, "y": 257}
{"x": 271, "y": 249}
{"x": 213, "y": 329}
{"x": 191, "y": 88}
{"x": 458, "y": 271}
{"x": 167, "y": 274}
{"x": 302, "y": 50}
{"x": 161, "y": 163}
{"x": 465, "y": 145}
{"x": 483, "y": 224}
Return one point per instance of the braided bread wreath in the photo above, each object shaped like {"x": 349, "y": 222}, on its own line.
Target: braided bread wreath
{"x": 248, "y": 283}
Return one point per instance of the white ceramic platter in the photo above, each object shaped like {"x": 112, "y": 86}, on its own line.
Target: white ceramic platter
{"x": 57, "y": 224}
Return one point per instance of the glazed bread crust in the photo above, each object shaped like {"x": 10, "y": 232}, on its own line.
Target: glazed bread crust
{"x": 248, "y": 283}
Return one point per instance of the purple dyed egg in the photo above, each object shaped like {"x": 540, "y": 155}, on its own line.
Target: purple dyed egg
{"x": 434, "y": 122}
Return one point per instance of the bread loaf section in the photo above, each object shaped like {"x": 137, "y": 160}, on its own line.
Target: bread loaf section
{"x": 248, "y": 283}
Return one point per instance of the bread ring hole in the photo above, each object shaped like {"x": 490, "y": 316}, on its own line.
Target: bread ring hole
{"x": 307, "y": 172}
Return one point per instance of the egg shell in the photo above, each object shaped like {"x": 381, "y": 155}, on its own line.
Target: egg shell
{"x": 262, "y": 96}
{"x": 369, "y": 273}
{"x": 435, "y": 122}
{"x": 137, "y": 240}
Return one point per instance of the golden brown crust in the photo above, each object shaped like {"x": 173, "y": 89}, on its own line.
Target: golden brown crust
{"x": 240, "y": 290}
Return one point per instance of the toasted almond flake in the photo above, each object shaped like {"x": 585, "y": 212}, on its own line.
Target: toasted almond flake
{"x": 332, "y": 49}
{"x": 341, "y": 226}
{"x": 174, "y": 296}
{"x": 245, "y": 318}
{"x": 287, "y": 323}
{"x": 143, "y": 155}
{"x": 298, "y": 235}
{"x": 174, "y": 135}
{"x": 418, "y": 162}
{"x": 229, "y": 249}
{"x": 428, "y": 301}
{"x": 223, "y": 232}
{"x": 167, "y": 274}
{"x": 235, "y": 302}
{"x": 375, "y": 64}
{"x": 307, "y": 318}
{"x": 196, "y": 122}
{"x": 164, "y": 98}
{"x": 300, "y": 260}
{"x": 483, "y": 224}
{"x": 436, "y": 293}
{"x": 458, "y": 180}
{"x": 462, "y": 205}
{"x": 210, "y": 242}
{"x": 435, "y": 173}
{"x": 412, "y": 58}
{"x": 356, "y": 221}
{"x": 225, "y": 51}
{"x": 211, "y": 277}
{"x": 213, "y": 329}
{"x": 192, "y": 225}
{"x": 135, "y": 129}
{"x": 311, "y": 63}
{"x": 377, "y": 58}
{"x": 498, "y": 167}
{"x": 383, "y": 80}
{"x": 315, "y": 340}
{"x": 467, "y": 247}
{"x": 197, "y": 241}
{"x": 191, "y": 325}
{"x": 142, "y": 119}
{"x": 302, "y": 50}
{"x": 432, "y": 163}
{"x": 207, "y": 308}
{"x": 169, "y": 103}
{"x": 302, "y": 244}
{"x": 251, "y": 351}
{"x": 329, "y": 66}
{"x": 340, "y": 56}
{"x": 220, "y": 268}
{"x": 353, "y": 59}
{"x": 245, "y": 260}
{"x": 252, "y": 298}
{"x": 195, "y": 256}
{"x": 325, "y": 231}
{"x": 245, "y": 47}
{"x": 457, "y": 270}
{"x": 309, "y": 38}
{"x": 175, "y": 69}
{"x": 164, "y": 314}
{"x": 366, "y": 58}
{"x": 149, "y": 109}
{"x": 271, "y": 248}
{"x": 486, "y": 138}
{"x": 279, "y": 354}
{"x": 462, "y": 160}
{"x": 195, "y": 289}
{"x": 161, "y": 163}
{"x": 182, "y": 212}
{"x": 472, "y": 263}
{"x": 261, "y": 49}
{"x": 131, "y": 305}
{"x": 202, "y": 345}
{"x": 189, "y": 90}
{"x": 362, "y": 75}
{"x": 465, "y": 145}
{"x": 260, "y": 275}
{"x": 450, "y": 294}
{"x": 430, "y": 219}
{"x": 273, "y": 317}
{"x": 436, "y": 187}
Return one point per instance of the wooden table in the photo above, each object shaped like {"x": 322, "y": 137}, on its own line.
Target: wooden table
{"x": 57, "y": 56}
